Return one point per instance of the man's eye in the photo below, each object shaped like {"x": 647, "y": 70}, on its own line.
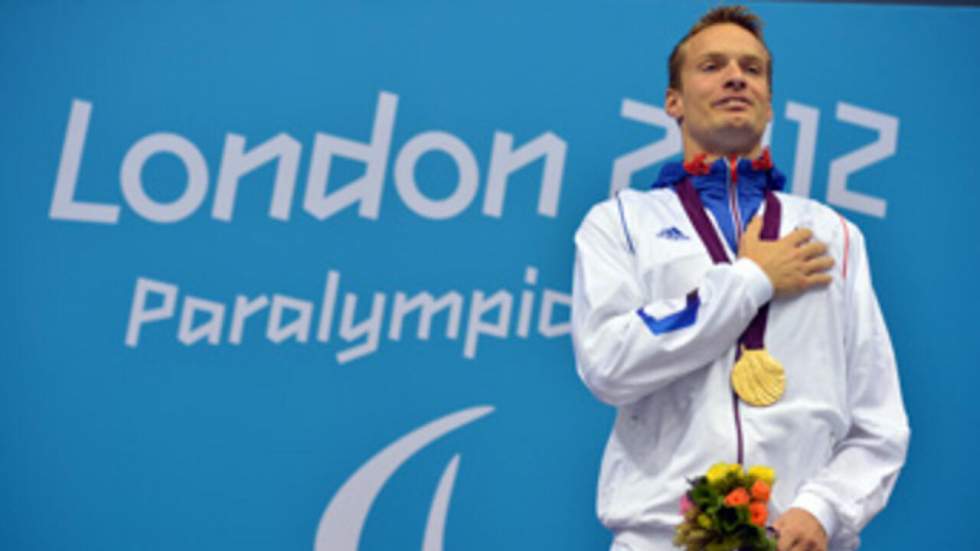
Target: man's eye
{"x": 754, "y": 69}
{"x": 709, "y": 67}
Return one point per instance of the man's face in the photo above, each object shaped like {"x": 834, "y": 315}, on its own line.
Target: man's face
{"x": 724, "y": 100}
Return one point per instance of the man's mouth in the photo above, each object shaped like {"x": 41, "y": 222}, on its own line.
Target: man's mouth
{"x": 733, "y": 102}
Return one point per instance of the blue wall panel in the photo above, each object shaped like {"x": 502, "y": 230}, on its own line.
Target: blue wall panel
{"x": 243, "y": 442}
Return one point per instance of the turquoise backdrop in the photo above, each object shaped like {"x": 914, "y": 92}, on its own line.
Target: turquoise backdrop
{"x": 248, "y": 246}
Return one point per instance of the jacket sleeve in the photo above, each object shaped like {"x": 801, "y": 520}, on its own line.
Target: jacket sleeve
{"x": 627, "y": 347}
{"x": 856, "y": 483}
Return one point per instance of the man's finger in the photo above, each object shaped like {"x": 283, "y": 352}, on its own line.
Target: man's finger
{"x": 812, "y": 249}
{"x": 818, "y": 264}
{"x": 804, "y": 545}
{"x": 815, "y": 280}
{"x": 786, "y": 542}
{"x": 755, "y": 227}
{"x": 799, "y": 236}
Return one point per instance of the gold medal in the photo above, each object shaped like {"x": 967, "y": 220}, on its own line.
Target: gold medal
{"x": 758, "y": 378}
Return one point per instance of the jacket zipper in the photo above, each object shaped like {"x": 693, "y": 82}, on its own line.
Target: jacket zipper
{"x": 737, "y": 220}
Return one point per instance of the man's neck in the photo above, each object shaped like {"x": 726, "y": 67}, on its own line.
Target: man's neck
{"x": 693, "y": 150}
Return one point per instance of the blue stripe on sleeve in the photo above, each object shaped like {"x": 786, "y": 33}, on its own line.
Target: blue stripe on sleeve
{"x": 622, "y": 220}
{"x": 678, "y": 320}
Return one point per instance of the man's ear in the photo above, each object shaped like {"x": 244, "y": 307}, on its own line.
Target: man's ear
{"x": 674, "y": 104}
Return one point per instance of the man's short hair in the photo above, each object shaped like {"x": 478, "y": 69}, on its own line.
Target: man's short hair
{"x": 738, "y": 15}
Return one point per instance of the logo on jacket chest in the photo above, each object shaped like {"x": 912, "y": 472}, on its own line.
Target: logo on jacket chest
{"x": 672, "y": 234}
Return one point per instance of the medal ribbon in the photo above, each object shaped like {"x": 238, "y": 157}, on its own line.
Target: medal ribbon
{"x": 753, "y": 336}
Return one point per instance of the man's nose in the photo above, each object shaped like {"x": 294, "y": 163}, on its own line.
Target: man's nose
{"x": 735, "y": 83}
{"x": 734, "y": 77}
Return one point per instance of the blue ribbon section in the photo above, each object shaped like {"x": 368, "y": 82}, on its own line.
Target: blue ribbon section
{"x": 678, "y": 320}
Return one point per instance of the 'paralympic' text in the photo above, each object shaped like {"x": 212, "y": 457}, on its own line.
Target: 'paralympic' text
{"x": 288, "y": 318}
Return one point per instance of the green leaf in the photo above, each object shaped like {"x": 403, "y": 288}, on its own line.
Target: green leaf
{"x": 704, "y": 496}
{"x": 728, "y": 519}
{"x": 743, "y": 514}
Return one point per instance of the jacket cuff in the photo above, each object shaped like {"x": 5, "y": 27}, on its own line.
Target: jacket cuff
{"x": 819, "y": 508}
{"x": 757, "y": 282}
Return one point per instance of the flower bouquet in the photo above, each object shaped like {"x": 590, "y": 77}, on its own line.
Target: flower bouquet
{"x": 726, "y": 510}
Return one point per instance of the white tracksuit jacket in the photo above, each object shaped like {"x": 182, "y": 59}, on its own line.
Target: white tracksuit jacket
{"x": 837, "y": 438}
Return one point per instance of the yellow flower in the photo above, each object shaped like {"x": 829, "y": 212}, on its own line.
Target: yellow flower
{"x": 765, "y": 474}
{"x": 719, "y": 471}
{"x": 704, "y": 521}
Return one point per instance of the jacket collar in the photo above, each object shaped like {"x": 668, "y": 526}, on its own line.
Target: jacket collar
{"x": 757, "y": 173}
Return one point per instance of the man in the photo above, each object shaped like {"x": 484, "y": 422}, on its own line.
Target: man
{"x": 674, "y": 284}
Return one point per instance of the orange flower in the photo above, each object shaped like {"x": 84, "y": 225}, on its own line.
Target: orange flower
{"x": 758, "y": 513}
{"x": 737, "y": 497}
{"x": 760, "y": 491}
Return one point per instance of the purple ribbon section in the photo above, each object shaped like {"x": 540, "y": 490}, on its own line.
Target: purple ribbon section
{"x": 754, "y": 334}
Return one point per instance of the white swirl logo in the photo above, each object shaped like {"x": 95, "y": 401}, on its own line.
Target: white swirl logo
{"x": 342, "y": 521}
